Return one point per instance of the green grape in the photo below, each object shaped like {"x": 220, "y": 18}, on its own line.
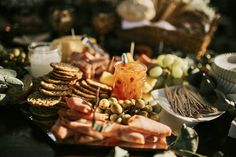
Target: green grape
{"x": 168, "y": 60}
{"x": 159, "y": 60}
{"x": 155, "y": 71}
{"x": 178, "y": 62}
{"x": 177, "y": 72}
{"x": 185, "y": 69}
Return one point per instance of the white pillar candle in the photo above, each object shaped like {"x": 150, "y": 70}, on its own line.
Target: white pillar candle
{"x": 40, "y": 56}
{"x": 71, "y": 44}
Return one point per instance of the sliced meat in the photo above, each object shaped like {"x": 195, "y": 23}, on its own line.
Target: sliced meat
{"x": 60, "y": 131}
{"x": 147, "y": 126}
{"x": 82, "y": 126}
{"x": 73, "y": 115}
{"x": 79, "y": 104}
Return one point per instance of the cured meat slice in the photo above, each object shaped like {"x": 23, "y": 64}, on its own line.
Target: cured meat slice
{"x": 147, "y": 126}
{"x": 79, "y": 104}
{"x": 60, "y": 131}
{"x": 75, "y": 115}
{"x": 82, "y": 126}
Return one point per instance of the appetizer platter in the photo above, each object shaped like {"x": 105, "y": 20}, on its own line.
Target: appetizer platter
{"x": 92, "y": 99}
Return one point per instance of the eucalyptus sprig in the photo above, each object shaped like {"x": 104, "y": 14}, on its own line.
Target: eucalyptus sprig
{"x": 10, "y": 86}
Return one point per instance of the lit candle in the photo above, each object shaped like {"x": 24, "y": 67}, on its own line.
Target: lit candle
{"x": 71, "y": 44}
{"x": 41, "y": 55}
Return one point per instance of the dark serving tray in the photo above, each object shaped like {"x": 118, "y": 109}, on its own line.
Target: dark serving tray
{"x": 103, "y": 146}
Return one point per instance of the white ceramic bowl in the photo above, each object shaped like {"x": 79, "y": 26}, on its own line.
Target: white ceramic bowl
{"x": 224, "y": 65}
{"x": 174, "y": 120}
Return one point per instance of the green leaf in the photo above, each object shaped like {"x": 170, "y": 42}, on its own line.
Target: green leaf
{"x": 3, "y": 85}
{"x": 8, "y": 72}
{"x": 3, "y": 99}
{"x": 168, "y": 153}
{"x": 13, "y": 80}
{"x": 2, "y": 96}
{"x": 2, "y": 78}
{"x": 118, "y": 152}
{"x": 187, "y": 140}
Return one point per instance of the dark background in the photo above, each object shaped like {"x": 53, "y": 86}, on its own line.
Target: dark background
{"x": 36, "y": 15}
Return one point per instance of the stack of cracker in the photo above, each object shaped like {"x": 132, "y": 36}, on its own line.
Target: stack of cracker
{"x": 87, "y": 89}
{"x": 52, "y": 89}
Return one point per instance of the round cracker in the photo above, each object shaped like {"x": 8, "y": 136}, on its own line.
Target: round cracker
{"x": 54, "y": 93}
{"x": 78, "y": 92}
{"x": 38, "y": 99}
{"x": 98, "y": 85}
{"x": 64, "y": 67}
{"x": 51, "y": 86}
{"x": 54, "y": 81}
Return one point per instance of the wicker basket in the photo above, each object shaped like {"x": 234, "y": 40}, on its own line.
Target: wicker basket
{"x": 152, "y": 35}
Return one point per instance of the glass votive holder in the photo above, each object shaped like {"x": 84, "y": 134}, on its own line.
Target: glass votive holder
{"x": 129, "y": 80}
{"x": 41, "y": 54}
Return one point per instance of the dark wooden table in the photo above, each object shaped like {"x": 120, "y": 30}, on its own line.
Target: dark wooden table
{"x": 20, "y": 138}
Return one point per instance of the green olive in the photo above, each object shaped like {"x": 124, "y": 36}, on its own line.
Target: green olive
{"x": 121, "y": 101}
{"x": 140, "y": 104}
{"x": 143, "y": 113}
{"x": 148, "y": 108}
{"x": 99, "y": 110}
{"x": 119, "y": 120}
{"x": 154, "y": 116}
{"x": 152, "y": 102}
{"x": 104, "y": 104}
{"x": 108, "y": 111}
{"x": 113, "y": 99}
{"x": 116, "y": 108}
{"x": 125, "y": 118}
{"x": 127, "y": 104}
{"x": 114, "y": 117}
{"x": 107, "y": 116}
{"x": 156, "y": 108}
{"x": 133, "y": 101}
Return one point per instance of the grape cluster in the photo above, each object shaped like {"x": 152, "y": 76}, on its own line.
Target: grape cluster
{"x": 169, "y": 69}
{"x": 121, "y": 111}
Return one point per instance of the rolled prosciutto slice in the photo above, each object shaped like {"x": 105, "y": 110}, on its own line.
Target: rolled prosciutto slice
{"x": 60, "y": 131}
{"x": 73, "y": 115}
{"x": 148, "y": 126}
{"x": 79, "y": 104}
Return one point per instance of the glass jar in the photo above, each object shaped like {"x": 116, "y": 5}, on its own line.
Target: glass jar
{"x": 129, "y": 80}
{"x": 41, "y": 54}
